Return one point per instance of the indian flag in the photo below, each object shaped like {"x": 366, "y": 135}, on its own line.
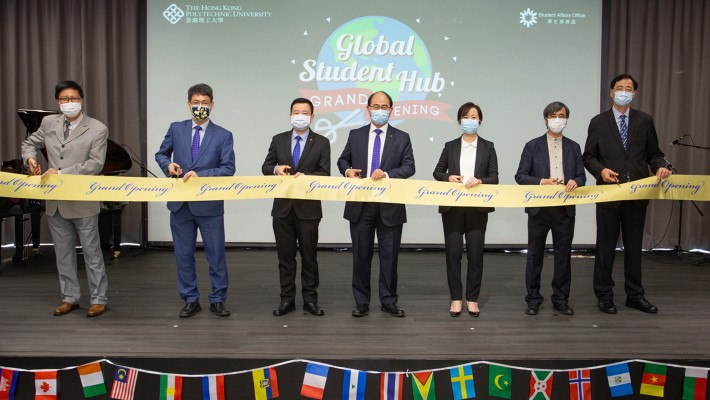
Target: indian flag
{"x": 170, "y": 387}
{"x": 92, "y": 379}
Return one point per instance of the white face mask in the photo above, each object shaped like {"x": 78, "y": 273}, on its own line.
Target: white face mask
{"x": 556, "y": 125}
{"x": 71, "y": 110}
{"x": 300, "y": 121}
{"x": 622, "y": 98}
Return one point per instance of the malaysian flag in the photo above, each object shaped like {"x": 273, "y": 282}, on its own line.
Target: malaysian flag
{"x": 124, "y": 383}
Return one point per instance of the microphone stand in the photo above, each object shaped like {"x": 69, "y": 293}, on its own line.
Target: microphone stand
{"x": 678, "y": 249}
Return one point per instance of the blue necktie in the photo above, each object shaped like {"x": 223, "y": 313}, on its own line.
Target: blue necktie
{"x": 297, "y": 152}
{"x": 376, "y": 152}
{"x": 624, "y": 130}
{"x": 196, "y": 143}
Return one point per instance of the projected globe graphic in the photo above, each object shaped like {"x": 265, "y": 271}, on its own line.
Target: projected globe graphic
{"x": 369, "y": 29}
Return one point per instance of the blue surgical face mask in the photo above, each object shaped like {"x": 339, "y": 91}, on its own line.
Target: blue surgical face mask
{"x": 200, "y": 112}
{"x": 622, "y": 98}
{"x": 469, "y": 126}
{"x": 379, "y": 117}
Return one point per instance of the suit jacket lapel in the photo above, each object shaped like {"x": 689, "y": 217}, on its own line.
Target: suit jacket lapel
{"x": 456, "y": 158}
{"x": 391, "y": 132}
{"x": 545, "y": 152}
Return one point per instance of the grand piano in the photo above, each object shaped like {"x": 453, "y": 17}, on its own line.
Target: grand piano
{"x": 117, "y": 162}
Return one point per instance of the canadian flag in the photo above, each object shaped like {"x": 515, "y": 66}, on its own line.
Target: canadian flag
{"x": 46, "y": 385}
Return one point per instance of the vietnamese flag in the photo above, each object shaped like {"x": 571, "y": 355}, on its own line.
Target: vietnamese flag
{"x": 654, "y": 380}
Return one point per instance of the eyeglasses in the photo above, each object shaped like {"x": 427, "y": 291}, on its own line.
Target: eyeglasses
{"x": 379, "y": 107}
{"x": 63, "y": 100}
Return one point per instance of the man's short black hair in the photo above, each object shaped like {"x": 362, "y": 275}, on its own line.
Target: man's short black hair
{"x": 621, "y": 78}
{"x": 554, "y": 107}
{"x": 68, "y": 85}
{"x": 302, "y": 100}
{"x": 202, "y": 89}
{"x": 466, "y": 107}
{"x": 369, "y": 99}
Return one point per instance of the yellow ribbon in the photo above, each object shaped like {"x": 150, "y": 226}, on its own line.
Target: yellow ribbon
{"x": 406, "y": 191}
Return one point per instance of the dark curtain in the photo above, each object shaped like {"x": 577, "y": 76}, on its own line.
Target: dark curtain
{"x": 665, "y": 46}
{"x": 99, "y": 44}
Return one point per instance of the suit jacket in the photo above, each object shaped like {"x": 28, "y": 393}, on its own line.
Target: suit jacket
{"x": 83, "y": 153}
{"x": 486, "y": 168}
{"x": 397, "y": 160}
{"x": 535, "y": 165}
{"x": 604, "y": 149}
{"x": 315, "y": 160}
{"x": 215, "y": 158}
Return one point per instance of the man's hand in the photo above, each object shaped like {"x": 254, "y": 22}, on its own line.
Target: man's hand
{"x": 549, "y": 181}
{"x": 456, "y": 179}
{"x": 571, "y": 185}
{"x": 472, "y": 182}
{"x": 353, "y": 173}
{"x": 34, "y": 167}
{"x": 189, "y": 175}
{"x": 174, "y": 169}
{"x": 663, "y": 173}
{"x": 378, "y": 174}
{"x": 297, "y": 174}
{"x": 50, "y": 171}
{"x": 609, "y": 176}
{"x": 283, "y": 170}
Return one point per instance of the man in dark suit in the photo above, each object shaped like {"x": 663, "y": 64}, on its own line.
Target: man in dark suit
{"x": 75, "y": 144}
{"x": 203, "y": 148}
{"x": 299, "y": 151}
{"x": 378, "y": 151}
{"x": 621, "y": 147}
{"x": 551, "y": 159}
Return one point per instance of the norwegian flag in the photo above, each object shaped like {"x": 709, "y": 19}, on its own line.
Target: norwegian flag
{"x": 580, "y": 384}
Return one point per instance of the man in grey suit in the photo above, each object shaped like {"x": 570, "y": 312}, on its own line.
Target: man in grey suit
{"x": 75, "y": 144}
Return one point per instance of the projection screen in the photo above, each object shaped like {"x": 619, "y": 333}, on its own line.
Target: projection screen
{"x": 510, "y": 57}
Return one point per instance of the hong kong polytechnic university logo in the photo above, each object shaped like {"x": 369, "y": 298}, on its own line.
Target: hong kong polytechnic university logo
{"x": 528, "y": 18}
{"x": 173, "y": 14}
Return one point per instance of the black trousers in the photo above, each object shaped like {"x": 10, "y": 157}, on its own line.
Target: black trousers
{"x": 459, "y": 222}
{"x": 293, "y": 235}
{"x": 630, "y": 217}
{"x": 557, "y": 220}
{"x": 389, "y": 238}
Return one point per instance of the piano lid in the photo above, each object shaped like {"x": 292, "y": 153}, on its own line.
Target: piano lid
{"x": 33, "y": 118}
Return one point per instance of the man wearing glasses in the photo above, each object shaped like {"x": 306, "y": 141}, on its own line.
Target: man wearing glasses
{"x": 75, "y": 144}
{"x": 192, "y": 148}
{"x": 378, "y": 151}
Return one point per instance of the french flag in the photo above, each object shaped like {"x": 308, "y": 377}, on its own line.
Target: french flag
{"x": 391, "y": 386}
{"x": 314, "y": 381}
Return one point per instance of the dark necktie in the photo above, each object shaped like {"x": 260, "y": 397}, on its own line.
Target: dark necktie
{"x": 66, "y": 129}
{"x": 376, "y": 152}
{"x": 624, "y": 130}
{"x": 297, "y": 152}
{"x": 196, "y": 143}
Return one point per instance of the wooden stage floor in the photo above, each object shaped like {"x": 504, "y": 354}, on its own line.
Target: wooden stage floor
{"x": 142, "y": 320}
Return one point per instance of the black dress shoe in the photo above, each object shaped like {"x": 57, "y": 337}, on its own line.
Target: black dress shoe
{"x": 284, "y": 308}
{"x": 607, "y": 306}
{"x": 361, "y": 310}
{"x": 642, "y": 305}
{"x": 219, "y": 310}
{"x": 392, "y": 310}
{"x": 190, "y": 309}
{"x": 314, "y": 309}
{"x": 563, "y": 308}
{"x": 532, "y": 309}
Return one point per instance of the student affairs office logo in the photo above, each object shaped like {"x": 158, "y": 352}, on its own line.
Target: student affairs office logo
{"x": 173, "y": 14}
{"x": 528, "y": 18}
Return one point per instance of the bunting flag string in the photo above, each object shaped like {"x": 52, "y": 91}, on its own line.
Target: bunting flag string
{"x": 391, "y": 382}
